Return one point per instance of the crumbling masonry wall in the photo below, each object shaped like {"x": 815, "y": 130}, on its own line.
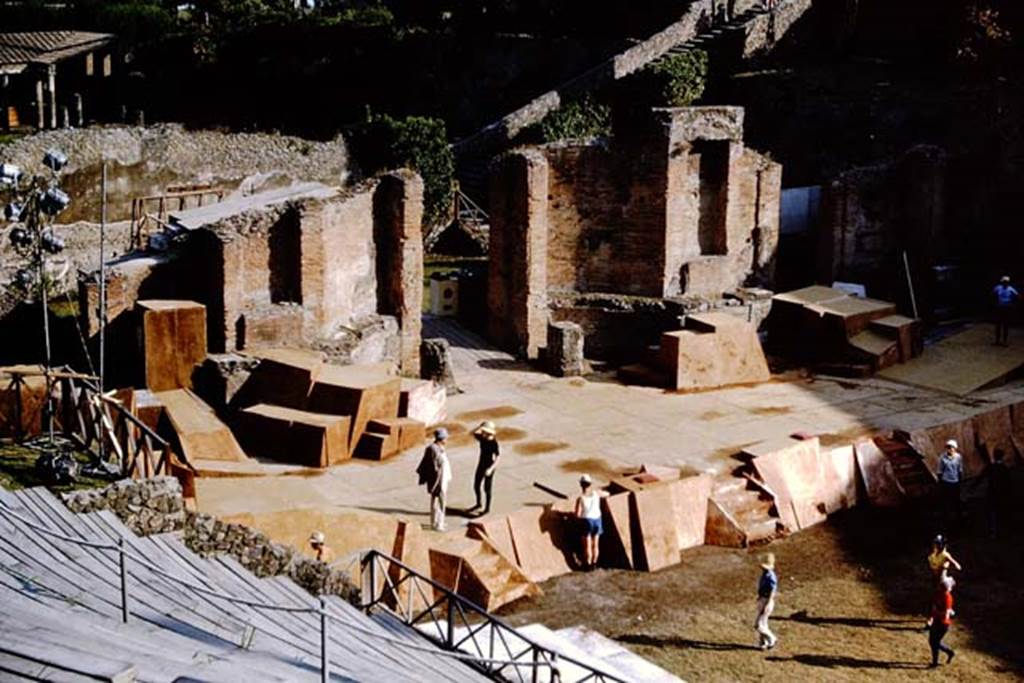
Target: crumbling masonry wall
{"x": 341, "y": 273}
{"x": 678, "y": 207}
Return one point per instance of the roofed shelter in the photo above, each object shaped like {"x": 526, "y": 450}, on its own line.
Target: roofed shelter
{"x": 46, "y": 75}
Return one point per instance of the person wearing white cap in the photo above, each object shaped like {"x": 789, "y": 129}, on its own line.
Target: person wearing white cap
{"x": 1006, "y": 297}
{"x": 317, "y": 542}
{"x": 483, "y": 480}
{"x": 588, "y": 510}
{"x": 767, "y": 585}
{"x": 435, "y": 472}
{"x": 949, "y": 474}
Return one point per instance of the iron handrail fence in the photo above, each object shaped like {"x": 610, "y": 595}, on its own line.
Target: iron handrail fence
{"x": 394, "y": 575}
{"x": 320, "y": 610}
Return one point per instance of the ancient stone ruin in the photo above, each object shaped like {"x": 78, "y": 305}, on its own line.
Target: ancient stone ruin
{"x": 622, "y": 235}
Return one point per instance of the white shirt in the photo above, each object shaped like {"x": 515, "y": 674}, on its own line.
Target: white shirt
{"x": 591, "y": 505}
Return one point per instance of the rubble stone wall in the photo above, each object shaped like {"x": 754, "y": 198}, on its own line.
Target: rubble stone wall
{"x": 156, "y": 506}
{"x": 147, "y": 160}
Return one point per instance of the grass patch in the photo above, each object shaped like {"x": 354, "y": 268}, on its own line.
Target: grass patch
{"x": 18, "y": 470}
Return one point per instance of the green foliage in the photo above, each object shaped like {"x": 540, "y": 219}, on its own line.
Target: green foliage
{"x": 419, "y": 142}
{"x": 580, "y": 119}
{"x": 679, "y": 79}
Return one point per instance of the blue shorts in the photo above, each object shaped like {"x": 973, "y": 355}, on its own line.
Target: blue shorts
{"x": 592, "y": 527}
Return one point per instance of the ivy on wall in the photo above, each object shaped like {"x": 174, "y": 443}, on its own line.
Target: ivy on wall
{"x": 678, "y": 80}
{"x": 576, "y": 120}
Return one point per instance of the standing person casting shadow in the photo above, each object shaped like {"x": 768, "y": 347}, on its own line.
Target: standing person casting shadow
{"x": 435, "y": 472}
{"x": 483, "y": 480}
{"x": 767, "y": 586}
{"x": 949, "y": 474}
{"x": 940, "y": 620}
{"x": 588, "y": 511}
{"x": 1006, "y": 299}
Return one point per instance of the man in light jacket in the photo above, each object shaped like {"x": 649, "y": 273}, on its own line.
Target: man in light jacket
{"x": 435, "y": 472}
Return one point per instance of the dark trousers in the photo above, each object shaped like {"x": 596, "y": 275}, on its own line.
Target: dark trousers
{"x": 1004, "y": 315}
{"x": 949, "y": 499}
{"x": 935, "y": 635}
{"x": 482, "y": 483}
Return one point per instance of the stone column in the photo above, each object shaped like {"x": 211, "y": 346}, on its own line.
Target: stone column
{"x": 398, "y": 235}
{"x": 51, "y": 80}
{"x": 40, "y": 106}
{"x": 565, "y": 349}
{"x": 517, "y": 299}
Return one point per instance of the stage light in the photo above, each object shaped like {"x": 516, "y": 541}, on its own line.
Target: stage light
{"x": 13, "y": 212}
{"x": 54, "y": 201}
{"x": 55, "y": 160}
{"x": 20, "y": 238}
{"x": 10, "y": 174}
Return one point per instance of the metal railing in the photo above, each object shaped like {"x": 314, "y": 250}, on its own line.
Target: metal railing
{"x": 540, "y": 657}
{"x": 174, "y": 199}
{"x": 95, "y": 422}
{"x": 457, "y": 624}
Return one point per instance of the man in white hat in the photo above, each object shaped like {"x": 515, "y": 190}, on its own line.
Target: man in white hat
{"x": 317, "y": 542}
{"x": 767, "y": 585}
{"x": 435, "y": 472}
{"x": 949, "y": 474}
{"x": 1006, "y": 297}
{"x": 486, "y": 435}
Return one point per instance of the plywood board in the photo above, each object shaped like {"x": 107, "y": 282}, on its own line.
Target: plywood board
{"x": 294, "y": 436}
{"x": 722, "y": 529}
{"x": 656, "y": 524}
{"x": 993, "y": 430}
{"x": 720, "y": 350}
{"x": 412, "y": 549}
{"x": 21, "y": 408}
{"x": 843, "y": 463}
{"x": 199, "y": 432}
{"x": 411, "y": 433}
{"x": 880, "y": 483}
{"x": 284, "y": 377}
{"x": 365, "y": 393}
{"x": 173, "y": 338}
{"x": 931, "y": 441}
{"x": 960, "y": 364}
{"x": 794, "y": 475}
{"x": 617, "y": 540}
{"x": 498, "y": 533}
{"x": 690, "y": 507}
{"x": 373, "y": 446}
{"x": 423, "y": 400}
{"x": 541, "y": 538}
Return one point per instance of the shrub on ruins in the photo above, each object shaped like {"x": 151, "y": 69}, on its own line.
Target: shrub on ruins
{"x": 419, "y": 142}
{"x": 678, "y": 80}
{"x": 577, "y": 120}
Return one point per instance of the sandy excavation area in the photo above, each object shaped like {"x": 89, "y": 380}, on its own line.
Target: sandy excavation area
{"x": 853, "y": 592}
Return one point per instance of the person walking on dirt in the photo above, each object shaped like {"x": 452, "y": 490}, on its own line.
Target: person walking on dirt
{"x": 588, "y": 510}
{"x": 435, "y": 472}
{"x": 767, "y": 586}
{"x": 949, "y": 474}
{"x": 486, "y": 435}
{"x": 1006, "y": 299}
{"x": 940, "y": 620}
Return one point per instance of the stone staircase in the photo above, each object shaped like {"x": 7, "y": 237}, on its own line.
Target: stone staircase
{"x": 578, "y": 642}
{"x": 62, "y": 612}
{"x": 741, "y": 513}
{"x": 703, "y": 27}
{"x": 911, "y": 470}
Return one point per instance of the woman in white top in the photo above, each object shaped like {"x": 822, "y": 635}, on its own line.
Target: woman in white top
{"x": 588, "y": 509}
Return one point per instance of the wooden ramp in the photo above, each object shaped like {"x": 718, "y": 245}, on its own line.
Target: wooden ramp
{"x": 960, "y": 364}
{"x": 199, "y": 432}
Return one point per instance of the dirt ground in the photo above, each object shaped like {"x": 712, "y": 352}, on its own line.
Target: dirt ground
{"x": 853, "y": 592}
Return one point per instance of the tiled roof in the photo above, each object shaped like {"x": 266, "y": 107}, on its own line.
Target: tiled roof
{"x": 47, "y": 47}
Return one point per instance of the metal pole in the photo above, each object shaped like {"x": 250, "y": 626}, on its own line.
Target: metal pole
{"x": 122, "y": 566}
{"x": 325, "y": 662}
{"x": 372, "y": 592}
{"x": 103, "y": 300}
{"x": 41, "y": 261}
{"x": 451, "y": 621}
{"x": 910, "y": 284}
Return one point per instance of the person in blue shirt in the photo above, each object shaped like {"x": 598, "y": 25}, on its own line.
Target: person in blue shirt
{"x": 1006, "y": 298}
{"x": 949, "y": 474}
{"x": 767, "y": 585}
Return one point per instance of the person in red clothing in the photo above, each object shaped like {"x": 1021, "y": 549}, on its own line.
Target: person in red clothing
{"x": 940, "y": 619}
